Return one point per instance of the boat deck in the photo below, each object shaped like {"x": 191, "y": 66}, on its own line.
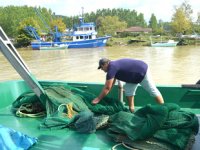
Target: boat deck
{"x": 56, "y": 139}
{"x": 196, "y": 145}
{"x": 65, "y": 138}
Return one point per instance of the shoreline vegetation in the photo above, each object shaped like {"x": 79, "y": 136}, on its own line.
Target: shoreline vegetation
{"x": 125, "y": 26}
{"x": 130, "y": 41}
{"x": 145, "y": 41}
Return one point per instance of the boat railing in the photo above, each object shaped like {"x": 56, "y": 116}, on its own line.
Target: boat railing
{"x": 11, "y": 54}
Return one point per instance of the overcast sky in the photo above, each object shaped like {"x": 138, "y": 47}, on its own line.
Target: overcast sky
{"x": 163, "y": 9}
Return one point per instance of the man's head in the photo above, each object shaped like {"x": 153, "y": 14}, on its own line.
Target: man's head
{"x": 103, "y": 64}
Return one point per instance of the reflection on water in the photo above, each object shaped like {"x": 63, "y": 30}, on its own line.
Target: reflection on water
{"x": 170, "y": 65}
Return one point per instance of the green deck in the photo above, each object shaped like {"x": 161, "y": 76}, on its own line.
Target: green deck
{"x": 187, "y": 98}
{"x": 55, "y": 139}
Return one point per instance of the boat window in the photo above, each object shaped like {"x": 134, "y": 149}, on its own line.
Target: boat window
{"x": 90, "y": 37}
{"x": 86, "y": 37}
{"x": 81, "y": 37}
{"x": 90, "y": 28}
{"x": 77, "y": 37}
{"x": 80, "y": 29}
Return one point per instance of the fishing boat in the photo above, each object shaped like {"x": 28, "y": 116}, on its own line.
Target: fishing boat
{"x": 87, "y": 43}
{"x": 84, "y": 35}
{"x": 186, "y": 97}
{"x": 169, "y": 43}
{"x": 52, "y": 124}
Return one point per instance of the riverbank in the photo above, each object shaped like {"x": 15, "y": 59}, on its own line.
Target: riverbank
{"x": 141, "y": 41}
{"x": 145, "y": 40}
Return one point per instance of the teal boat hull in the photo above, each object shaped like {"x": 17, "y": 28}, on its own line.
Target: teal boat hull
{"x": 186, "y": 97}
{"x": 164, "y": 44}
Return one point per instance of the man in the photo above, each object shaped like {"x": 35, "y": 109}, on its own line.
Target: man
{"x": 133, "y": 72}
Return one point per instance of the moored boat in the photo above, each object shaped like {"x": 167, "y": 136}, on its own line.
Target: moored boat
{"x": 169, "y": 43}
{"x": 55, "y": 47}
{"x": 90, "y": 43}
{"x": 84, "y": 35}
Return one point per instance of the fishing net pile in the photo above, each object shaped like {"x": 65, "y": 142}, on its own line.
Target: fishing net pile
{"x": 161, "y": 126}
{"x": 67, "y": 106}
{"x": 152, "y": 126}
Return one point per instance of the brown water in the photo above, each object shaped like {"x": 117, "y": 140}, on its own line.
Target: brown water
{"x": 174, "y": 65}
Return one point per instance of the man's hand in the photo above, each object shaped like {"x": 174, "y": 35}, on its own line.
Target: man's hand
{"x": 95, "y": 101}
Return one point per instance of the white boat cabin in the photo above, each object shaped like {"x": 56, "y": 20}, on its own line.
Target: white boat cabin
{"x": 85, "y": 31}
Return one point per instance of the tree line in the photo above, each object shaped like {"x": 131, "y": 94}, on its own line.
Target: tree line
{"x": 13, "y": 19}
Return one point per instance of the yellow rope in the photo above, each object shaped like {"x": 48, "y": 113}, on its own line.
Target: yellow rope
{"x": 70, "y": 111}
{"x": 69, "y": 107}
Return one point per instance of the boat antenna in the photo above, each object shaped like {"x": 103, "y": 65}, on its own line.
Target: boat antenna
{"x": 82, "y": 11}
{"x": 81, "y": 19}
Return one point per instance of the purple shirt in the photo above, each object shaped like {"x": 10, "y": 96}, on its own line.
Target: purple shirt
{"x": 127, "y": 70}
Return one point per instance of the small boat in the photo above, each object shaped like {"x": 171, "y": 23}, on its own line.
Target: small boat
{"x": 59, "y": 114}
{"x": 169, "y": 43}
{"x": 55, "y": 47}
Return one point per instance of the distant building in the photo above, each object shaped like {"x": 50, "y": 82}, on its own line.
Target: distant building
{"x": 136, "y": 29}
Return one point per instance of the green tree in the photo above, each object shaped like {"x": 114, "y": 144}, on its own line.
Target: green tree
{"x": 196, "y": 25}
{"x": 23, "y": 38}
{"x": 110, "y": 25}
{"x": 59, "y": 23}
{"x": 11, "y": 16}
{"x": 126, "y": 15}
{"x": 182, "y": 19}
{"x": 160, "y": 28}
{"x": 180, "y": 23}
{"x": 187, "y": 9}
{"x": 198, "y": 18}
{"x": 140, "y": 20}
{"x": 153, "y": 23}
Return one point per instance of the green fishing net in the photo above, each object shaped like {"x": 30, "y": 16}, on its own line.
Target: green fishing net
{"x": 166, "y": 123}
{"x": 65, "y": 104}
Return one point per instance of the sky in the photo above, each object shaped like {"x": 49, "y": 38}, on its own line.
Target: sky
{"x": 162, "y": 9}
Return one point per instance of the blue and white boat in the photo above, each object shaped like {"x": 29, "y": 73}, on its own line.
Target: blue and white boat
{"x": 84, "y": 35}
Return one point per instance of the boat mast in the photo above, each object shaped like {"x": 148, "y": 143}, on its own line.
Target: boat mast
{"x": 82, "y": 11}
{"x": 81, "y": 18}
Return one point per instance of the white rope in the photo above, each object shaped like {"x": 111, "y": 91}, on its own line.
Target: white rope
{"x": 128, "y": 147}
{"x": 61, "y": 106}
{"x": 113, "y": 148}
